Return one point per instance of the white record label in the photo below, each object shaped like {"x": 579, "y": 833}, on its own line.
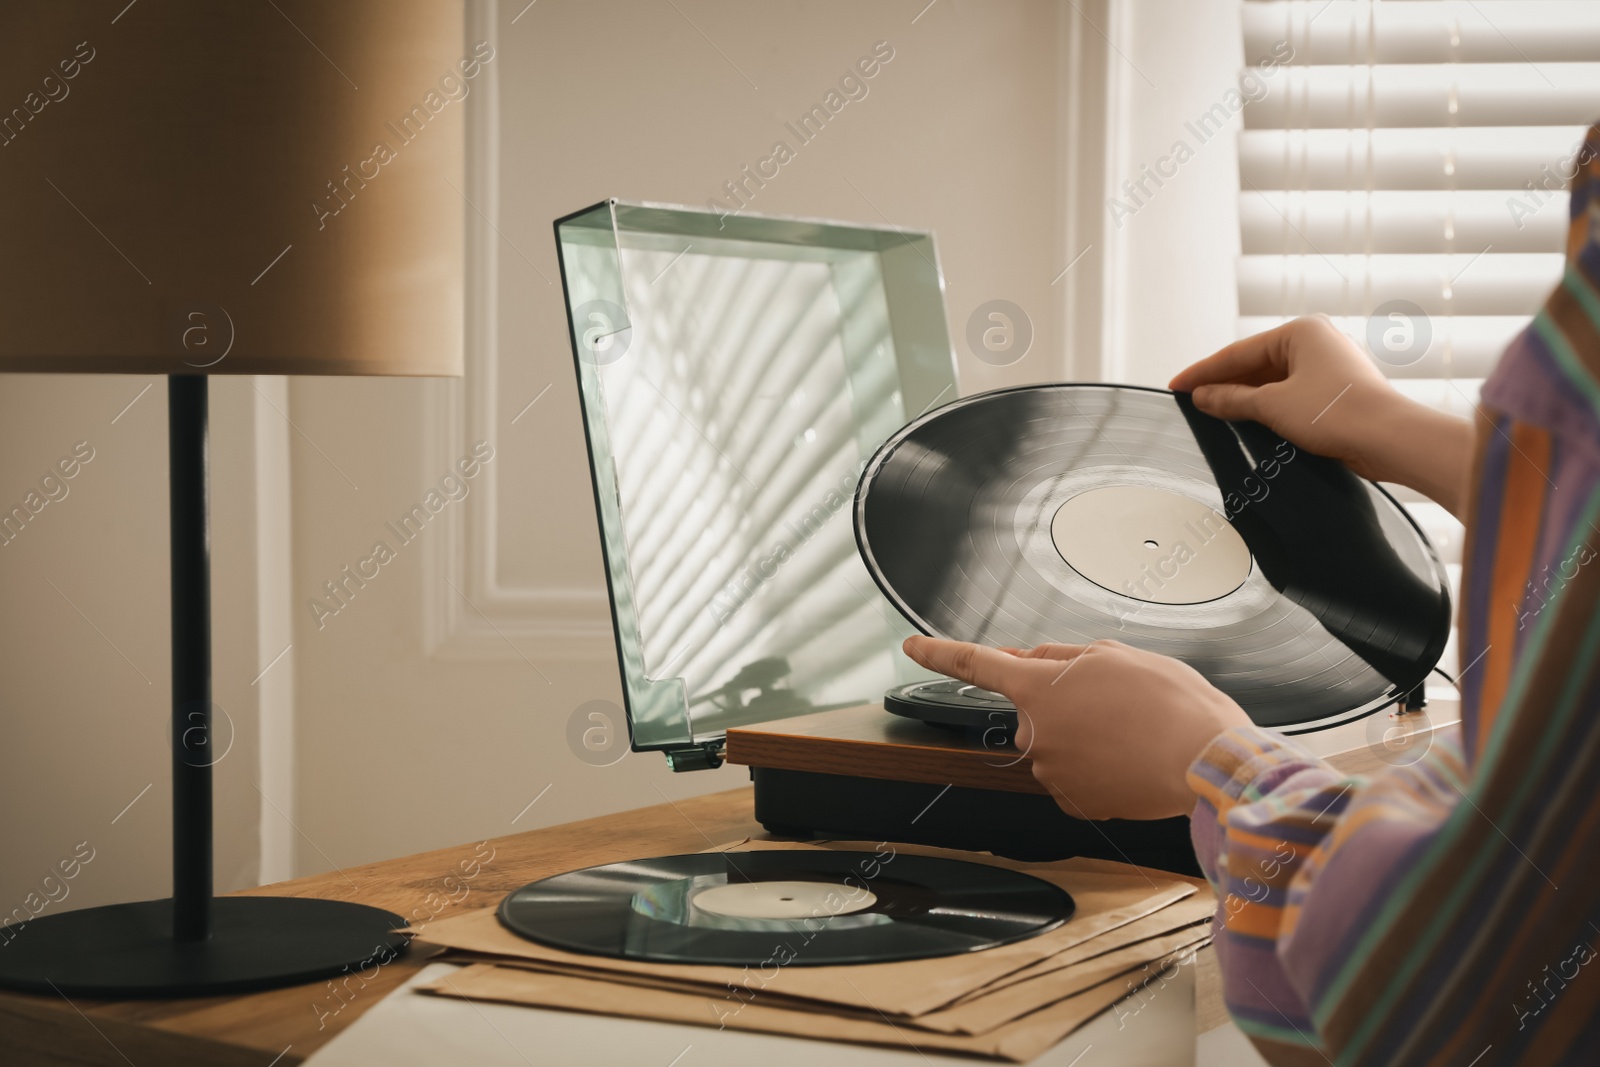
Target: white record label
{"x": 1151, "y": 544}
{"x": 783, "y": 900}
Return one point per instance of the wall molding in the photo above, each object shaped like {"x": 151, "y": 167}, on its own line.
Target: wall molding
{"x": 1118, "y": 117}
{"x": 1092, "y": 93}
{"x": 468, "y": 612}
{"x": 275, "y": 619}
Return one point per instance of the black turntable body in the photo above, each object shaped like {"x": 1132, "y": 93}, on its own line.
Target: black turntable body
{"x": 861, "y": 774}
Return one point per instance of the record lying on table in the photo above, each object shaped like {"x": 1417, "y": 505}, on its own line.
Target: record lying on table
{"x": 1071, "y": 513}
{"x": 808, "y": 906}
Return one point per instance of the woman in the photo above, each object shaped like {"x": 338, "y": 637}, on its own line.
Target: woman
{"x": 1443, "y": 912}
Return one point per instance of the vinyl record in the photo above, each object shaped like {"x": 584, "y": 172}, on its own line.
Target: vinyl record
{"x": 792, "y": 907}
{"x": 1070, "y": 513}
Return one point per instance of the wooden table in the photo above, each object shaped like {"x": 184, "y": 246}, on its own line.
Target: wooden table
{"x": 281, "y": 1027}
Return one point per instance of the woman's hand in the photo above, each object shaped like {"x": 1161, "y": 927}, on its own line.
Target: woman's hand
{"x": 1314, "y": 387}
{"x": 1111, "y": 730}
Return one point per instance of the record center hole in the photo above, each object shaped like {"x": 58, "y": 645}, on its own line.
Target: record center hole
{"x": 1152, "y": 545}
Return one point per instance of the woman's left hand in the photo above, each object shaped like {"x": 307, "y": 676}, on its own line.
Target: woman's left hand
{"x": 1111, "y": 729}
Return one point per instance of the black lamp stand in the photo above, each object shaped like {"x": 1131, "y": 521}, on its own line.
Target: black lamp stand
{"x": 195, "y": 944}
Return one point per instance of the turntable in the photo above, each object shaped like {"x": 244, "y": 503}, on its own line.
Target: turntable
{"x": 788, "y": 486}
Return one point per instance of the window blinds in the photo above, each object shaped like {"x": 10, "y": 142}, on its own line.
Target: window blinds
{"x": 1405, "y": 174}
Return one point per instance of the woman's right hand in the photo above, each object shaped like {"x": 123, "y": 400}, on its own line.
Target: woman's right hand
{"x": 1304, "y": 380}
{"x": 1314, "y": 387}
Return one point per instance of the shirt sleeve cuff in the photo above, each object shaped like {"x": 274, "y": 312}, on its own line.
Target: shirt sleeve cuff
{"x": 1240, "y": 765}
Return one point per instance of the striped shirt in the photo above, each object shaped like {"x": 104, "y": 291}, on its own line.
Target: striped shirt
{"x": 1448, "y": 911}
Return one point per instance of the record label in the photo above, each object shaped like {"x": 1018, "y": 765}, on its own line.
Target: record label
{"x": 1151, "y": 544}
{"x": 778, "y": 900}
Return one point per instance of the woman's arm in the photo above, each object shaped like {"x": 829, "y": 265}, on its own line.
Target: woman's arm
{"x": 1311, "y": 385}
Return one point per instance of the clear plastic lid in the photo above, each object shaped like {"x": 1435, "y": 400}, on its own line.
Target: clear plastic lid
{"x": 736, "y": 373}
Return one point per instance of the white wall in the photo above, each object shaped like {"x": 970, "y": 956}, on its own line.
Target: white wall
{"x": 84, "y": 669}
{"x": 1175, "y": 256}
{"x": 400, "y": 748}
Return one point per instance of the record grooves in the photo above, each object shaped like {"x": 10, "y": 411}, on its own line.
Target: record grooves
{"x": 793, "y": 907}
{"x": 1074, "y": 513}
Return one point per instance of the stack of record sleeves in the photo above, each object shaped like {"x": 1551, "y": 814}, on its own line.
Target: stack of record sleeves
{"x": 872, "y": 943}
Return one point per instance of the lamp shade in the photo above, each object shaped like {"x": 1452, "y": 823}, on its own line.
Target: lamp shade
{"x": 273, "y": 187}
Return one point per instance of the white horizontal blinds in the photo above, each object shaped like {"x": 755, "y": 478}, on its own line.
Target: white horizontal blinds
{"x": 1416, "y": 151}
{"x": 1412, "y": 151}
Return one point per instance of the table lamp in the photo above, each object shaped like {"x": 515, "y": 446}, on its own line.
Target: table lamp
{"x": 191, "y": 188}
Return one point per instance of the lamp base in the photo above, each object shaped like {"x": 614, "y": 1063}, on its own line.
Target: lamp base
{"x": 127, "y": 950}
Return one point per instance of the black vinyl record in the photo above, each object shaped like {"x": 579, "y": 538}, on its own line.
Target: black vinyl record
{"x": 794, "y": 907}
{"x": 1071, "y": 513}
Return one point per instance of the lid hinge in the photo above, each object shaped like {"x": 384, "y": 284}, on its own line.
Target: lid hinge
{"x": 705, "y": 756}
